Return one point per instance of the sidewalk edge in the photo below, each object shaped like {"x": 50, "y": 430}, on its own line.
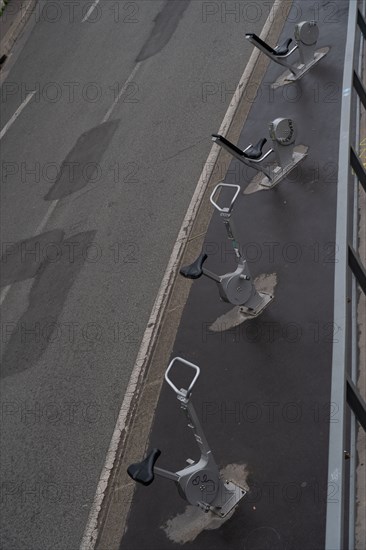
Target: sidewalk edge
{"x": 16, "y": 28}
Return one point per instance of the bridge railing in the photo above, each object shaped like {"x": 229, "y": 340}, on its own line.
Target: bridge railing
{"x": 349, "y": 284}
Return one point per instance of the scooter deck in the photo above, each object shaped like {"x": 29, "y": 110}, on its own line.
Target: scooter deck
{"x": 287, "y": 77}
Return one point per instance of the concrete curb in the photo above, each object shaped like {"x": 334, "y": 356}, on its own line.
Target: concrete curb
{"x": 106, "y": 525}
{"x": 16, "y": 27}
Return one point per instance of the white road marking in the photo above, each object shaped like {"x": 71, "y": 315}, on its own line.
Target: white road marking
{"x": 47, "y": 216}
{"x": 4, "y": 293}
{"x": 54, "y": 203}
{"x": 90, "y": 10}
{"x": 122, "y": 91}
{"x": 16, "y": 114}
{"x": 91, "y": 532}
{"x": 52, "y": 206}
{"x": 6, "y": 289}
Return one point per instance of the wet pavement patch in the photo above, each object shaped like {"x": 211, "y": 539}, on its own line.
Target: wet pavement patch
{"x": 264, "y": 283}
{"x": 186, "y": 527}
{"x": 82, "y": 164}
{"x": 165, "y": 25}
{"x": 27, "y": 339}
{"x": 22, "y": 260}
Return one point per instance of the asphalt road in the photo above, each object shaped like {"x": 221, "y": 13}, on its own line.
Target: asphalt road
{"x": 98, "y": 170}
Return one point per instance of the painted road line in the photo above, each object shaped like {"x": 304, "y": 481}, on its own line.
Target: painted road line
{"x": 53, "y": 204}
{"x": 7, "y": 288}
{"x": 122, "y": 91}
{"x": 16, "y": 114}
{"x": 47, "y": 216}
{"x": 4, "y": 293}
{"x": 91, "y": 533}
{"x": 90, "y": 10}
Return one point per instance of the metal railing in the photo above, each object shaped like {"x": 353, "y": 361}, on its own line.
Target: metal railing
{"x": 349, "y": 282}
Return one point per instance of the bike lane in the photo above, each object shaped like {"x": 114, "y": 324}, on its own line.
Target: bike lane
{"x": 263, "y": 393}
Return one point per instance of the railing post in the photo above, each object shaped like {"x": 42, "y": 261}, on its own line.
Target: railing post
{"x": 340, "y": 387}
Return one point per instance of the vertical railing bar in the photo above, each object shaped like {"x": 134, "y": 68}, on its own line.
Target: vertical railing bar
{"x": 361, "y": 23}
{"x": 359, "y": 88}
{"x": 336, "y": 468}
{"x": 352, "y": 483}
{"x": 356, "y": 402}
{"x": 358, "y": 168}
{"x": 358, "y": 270}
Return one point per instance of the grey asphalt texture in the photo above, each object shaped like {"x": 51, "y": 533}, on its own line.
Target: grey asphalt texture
{"x": 74, "y": 317}
{"x": 263, "y": 394}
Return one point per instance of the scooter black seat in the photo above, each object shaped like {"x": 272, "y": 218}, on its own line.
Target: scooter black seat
{"x": 143, "y": 472}
{"x": 255, "y": 151}
{"x": 194, "y": 270}
{"x": 283, "y": 49}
